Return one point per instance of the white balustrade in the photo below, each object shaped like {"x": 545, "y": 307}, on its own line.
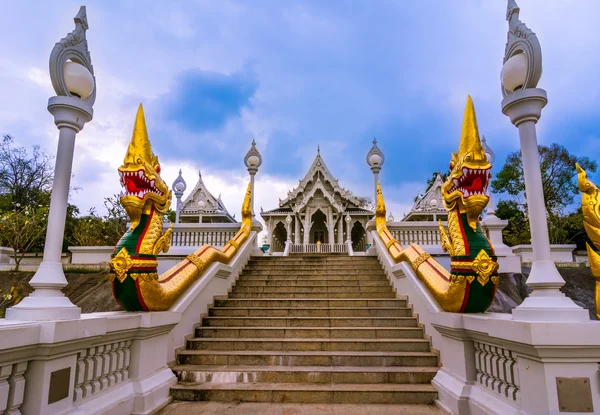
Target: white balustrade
{"x": 198, "y": 234}
{"x": 319, "y": 249}
{"x": 101, "y": 367}
{"x": 422, "y": 233}
{"x": 497, "y": 369}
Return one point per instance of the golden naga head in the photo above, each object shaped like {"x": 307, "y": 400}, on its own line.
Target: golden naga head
{"x": 143, "y": 187}
{"x": 470, "y": 172}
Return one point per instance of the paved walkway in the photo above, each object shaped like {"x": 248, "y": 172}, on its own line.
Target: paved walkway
{"x": 233, "y": 408}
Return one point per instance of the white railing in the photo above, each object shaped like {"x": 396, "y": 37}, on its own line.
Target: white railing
{"x": 113, "y": 362}
{"x": 198, "y": 234}
{"x": 492, "y": 363}
{"x": 319, "y": 249}
{"x": 422, "y": 233}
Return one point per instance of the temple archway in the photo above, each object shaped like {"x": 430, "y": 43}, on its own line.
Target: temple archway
{"x": 318, "y": 230}
{"x": 358, "y": 236}
{"x": 279, "y": 237}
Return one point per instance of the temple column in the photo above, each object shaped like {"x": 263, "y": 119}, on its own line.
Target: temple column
{"x": 340, "y": 224}
{"x": 297, "y": 229}
{"x": 330, "y": 226}
{"x": 306, "y": 225}
{"x": 270, "y": 233}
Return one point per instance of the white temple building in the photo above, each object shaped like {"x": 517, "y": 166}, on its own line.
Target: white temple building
{"x": 202, "y": 207}
{"x": 315, "y": 212}
{"x": 430, "y": 206}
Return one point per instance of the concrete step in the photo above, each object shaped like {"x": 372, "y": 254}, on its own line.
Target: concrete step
{"x": 304, "y": 294}
{"x": 314, "y": 344}
{"x": 323, "y": 265}
{"x": 262, "y": 282}
{"x": 310, "y": 332}
{"x": 301, "y": 268}
{"x": 317, "y": 271}
{"x": 302, "y": 358}
{"x": 306, "y": 393}
{"x": 313, "y": 259}
{"x": 309, "y": 322}
{"x": 311, "y": 289}
{"x": 310, "y": 302}
{"x": 305, "y": 374}
{"x": 313, "y": 276}
{"x": 310, "y": 312}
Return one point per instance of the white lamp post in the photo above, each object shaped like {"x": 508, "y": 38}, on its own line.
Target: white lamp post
{"x": 523, "y": 104}
{"x": 348, "y": 220}
{"x": 179, "y": 187}
{"x": 288, "y": 221}
{"x": 252, "y": 160}
{"x": 73, "y": 80}
{"x": 491, "y": 157}
{"x": 375, "y": 160}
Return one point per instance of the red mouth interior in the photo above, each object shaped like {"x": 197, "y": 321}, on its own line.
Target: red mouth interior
{"x": 135, "y": 183}
{"x": 472, "y": 182}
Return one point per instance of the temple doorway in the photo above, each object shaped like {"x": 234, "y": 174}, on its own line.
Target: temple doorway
{"x": 279, "y": 238}
{"x": 358, "y": 236}
{"x": 318, "y": 230}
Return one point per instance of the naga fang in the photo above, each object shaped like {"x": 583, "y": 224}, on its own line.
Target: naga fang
{"x": 470, "y": 286}
{"x": 146, "y": 198}
{"x": 590, "y": 206}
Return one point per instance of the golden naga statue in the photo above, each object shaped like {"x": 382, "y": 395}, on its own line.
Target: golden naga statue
{"x": 146, "y": 198}
{"x": 590, "y": 205}
{"x": 470, "y": 286}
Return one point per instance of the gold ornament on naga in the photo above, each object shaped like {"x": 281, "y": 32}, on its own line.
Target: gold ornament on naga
{"x": 590, "y": 206}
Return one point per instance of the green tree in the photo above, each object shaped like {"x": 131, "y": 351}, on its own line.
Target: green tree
{"x": 25, "y": 179}
{"x": 517, "y": 231}
{"x": 559, "y": 178}
{"x": 559, "y": 185}
{"x": 115, "y": 221}
{"x": 22, "y": 229}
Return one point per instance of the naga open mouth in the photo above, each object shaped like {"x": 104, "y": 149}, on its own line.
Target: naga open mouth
{"x": 472, "y": 182}
{"x": 135, "y": 183}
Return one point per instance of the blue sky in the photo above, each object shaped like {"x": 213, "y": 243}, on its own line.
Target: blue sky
{"x": 213, "y": 75}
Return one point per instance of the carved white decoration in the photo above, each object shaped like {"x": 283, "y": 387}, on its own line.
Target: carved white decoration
{"x": 497, "y": 370}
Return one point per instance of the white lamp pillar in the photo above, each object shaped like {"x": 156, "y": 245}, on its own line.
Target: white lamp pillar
{"x": 523, "y": 104}
{"x": 375, "y": 160}
{"x": 252, "y": 160}
{"x": 72, "y": 77}
{"x": 179, "y": 187}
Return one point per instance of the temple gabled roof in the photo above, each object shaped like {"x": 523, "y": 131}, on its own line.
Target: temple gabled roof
{"x": 318, "y": 173}
{"x": 430, "y": 203}
{"x": 212, "y": 206}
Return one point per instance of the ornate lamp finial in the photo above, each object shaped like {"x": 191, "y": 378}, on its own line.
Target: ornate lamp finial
{"x": 375, "y": 158}
{"x": 179, "y": 185}
{"x": 522, "y": 56}
{"x": 70, "y": 56}
{"x": 253, "y": 159}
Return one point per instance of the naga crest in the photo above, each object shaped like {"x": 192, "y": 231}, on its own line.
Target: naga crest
{"x": 143, "y": 188}
{"x": 470, "y": 172}
{"x": 590, "y": 205}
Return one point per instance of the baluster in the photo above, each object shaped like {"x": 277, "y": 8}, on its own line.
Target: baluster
{"x": 96, "y": 385}
{"x": 89, "y": 372}
{"x": 126, "y": 363}
{"x": 120, "y": 362}
{"x": 5, "y": 372}
{"x": 16, "y": 383}
{"x": 112, "y": 367}
{"x": 79, "y": 376}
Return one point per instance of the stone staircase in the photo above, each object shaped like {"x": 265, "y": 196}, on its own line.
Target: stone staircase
{"x": 309, "y": 329}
